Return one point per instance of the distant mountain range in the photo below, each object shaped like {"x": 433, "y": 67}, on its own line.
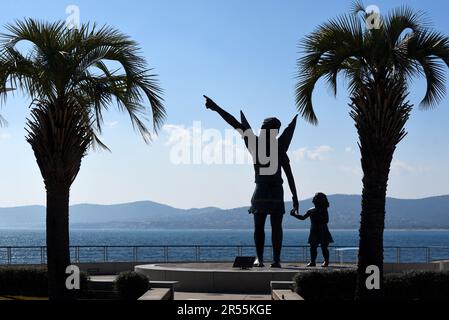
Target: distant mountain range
{"x": 428, "y": 213}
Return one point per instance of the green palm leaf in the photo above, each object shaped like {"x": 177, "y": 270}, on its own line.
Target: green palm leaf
{"x": 64, "y": 64}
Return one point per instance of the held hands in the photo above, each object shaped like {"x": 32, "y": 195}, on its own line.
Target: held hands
{"x": 210, "y": 104}
{"x": 295, "y": 204}
{"x": 295, "y": 211}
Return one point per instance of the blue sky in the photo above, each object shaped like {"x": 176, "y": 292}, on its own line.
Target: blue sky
{"x": 243, "y": 54}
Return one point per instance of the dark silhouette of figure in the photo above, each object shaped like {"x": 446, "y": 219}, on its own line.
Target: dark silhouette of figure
{"x": 268, "y": 197}
{"x": 319, "y": 231}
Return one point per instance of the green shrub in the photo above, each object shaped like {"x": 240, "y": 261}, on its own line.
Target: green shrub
{"x": 326, "y": 285}
{"x": 84, "y": 286}
{"x": 340, "y": 285}
{"x": 397, "y": 287}
{"x": 417, "y": 285}
{"x": 31, "y": 282}
{"x": 23, "y": 281}
{"x": 131, "y": 285}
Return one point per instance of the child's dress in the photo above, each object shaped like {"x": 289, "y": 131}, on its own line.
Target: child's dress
{"x": 319, "y": 232}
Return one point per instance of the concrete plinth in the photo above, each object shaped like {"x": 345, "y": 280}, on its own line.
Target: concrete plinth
{"x": 221, "y": 277}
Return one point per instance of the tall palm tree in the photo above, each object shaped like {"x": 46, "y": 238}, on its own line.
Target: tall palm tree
{"x": 72, "y": 78}
{"x": 378, "y": 65}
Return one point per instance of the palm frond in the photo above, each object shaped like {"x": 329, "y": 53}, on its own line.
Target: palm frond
{"x": 327, "y": 52}
{"x": 402, "y": 48}
{"x": 64, "y": 67}
{"x": 357, "y": 7}
{"x": 429, "y": 51}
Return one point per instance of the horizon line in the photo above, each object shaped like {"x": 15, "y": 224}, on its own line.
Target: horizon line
{"x": 211, "y": 206}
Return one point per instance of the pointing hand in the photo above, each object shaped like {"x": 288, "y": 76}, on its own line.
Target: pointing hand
{"x": 210, "y": 104}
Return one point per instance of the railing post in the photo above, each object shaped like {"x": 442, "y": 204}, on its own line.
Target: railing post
{"x": 8, "y": 256}
{"x": 135, "y": 254}
{"x": 42, "y": 256}
{"x": 304, "y": 254}
{"x": 398, "y": 255}
{"x": 166, "y": 253}
{"x": 105, "y": 254}
{"x": 429, "y": 254}
{"x": 77, "y": 254}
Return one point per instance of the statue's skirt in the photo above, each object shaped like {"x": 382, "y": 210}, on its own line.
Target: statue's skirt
{"x": 268, "y": 198}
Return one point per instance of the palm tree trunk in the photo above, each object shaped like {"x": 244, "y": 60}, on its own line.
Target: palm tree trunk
{"x": 372, "y": 223}
{"x": 58, "y": 252}
{"x": 59, "y": 138}
{"x": 380, "y": 112}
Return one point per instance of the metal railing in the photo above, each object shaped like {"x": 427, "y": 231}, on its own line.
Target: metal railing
{"x": 208, "y": 253}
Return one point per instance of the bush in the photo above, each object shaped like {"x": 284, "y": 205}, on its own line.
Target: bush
{"x": 24, "y": 282}
{"x": 84, "y": 286}
{"x": 131, "y": 285}
{"x": 422, "y": 285}
{"x": 340, "y": 285}
{"x": 326, "y": 285}
{"x": 31, "y": 282}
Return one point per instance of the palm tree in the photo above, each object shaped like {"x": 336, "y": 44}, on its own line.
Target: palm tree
{"x": 4, "y": 90}
{"x": 72, "y": 78}
{"x": 378, "y": 65}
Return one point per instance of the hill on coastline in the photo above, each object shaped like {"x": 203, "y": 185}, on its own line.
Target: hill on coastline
{"x": 428, "y": 213}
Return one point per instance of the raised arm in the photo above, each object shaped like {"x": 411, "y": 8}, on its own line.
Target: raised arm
{"x": 233, "y": 122}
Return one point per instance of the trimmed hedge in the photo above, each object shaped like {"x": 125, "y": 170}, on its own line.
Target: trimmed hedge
{"x": 23, "y": 282}
{"x": 340, "y": 285}
{"x": 326, "y": 285}
{"x": 131, "y": 285}
{"x": 31, "y": 282}
{"x": 418, "y": 286}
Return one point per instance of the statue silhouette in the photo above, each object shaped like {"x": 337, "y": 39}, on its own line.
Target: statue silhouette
{"x": 319, "y": 231}
{"x": 269, "y": 154}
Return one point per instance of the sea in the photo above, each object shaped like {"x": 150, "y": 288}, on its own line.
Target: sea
{"x": 211, "y": 245}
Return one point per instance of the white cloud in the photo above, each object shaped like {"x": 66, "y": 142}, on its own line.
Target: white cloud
{"x": 312, "y": 154}
{"x": 398, "y": 168}
{"x": 401, "y": 167}
{"x": 205, "y": 146}
{"x": 111, "y": 124}
{"x": 176, "y": 133}
{"x": 349, "y": 150}
{"x": 5, "y": 136}
{"x": 352, "y": 170}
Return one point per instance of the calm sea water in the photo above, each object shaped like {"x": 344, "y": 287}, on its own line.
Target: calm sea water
{"x": 347, "y": 238}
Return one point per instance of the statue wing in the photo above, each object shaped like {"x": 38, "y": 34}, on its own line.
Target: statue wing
{"x": 248, "y": 134}
{"x": 286, "y": 137}
{"x": 244, "y": 121}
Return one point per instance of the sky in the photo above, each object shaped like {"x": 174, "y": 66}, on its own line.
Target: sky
{"x": 242, "y": 54}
